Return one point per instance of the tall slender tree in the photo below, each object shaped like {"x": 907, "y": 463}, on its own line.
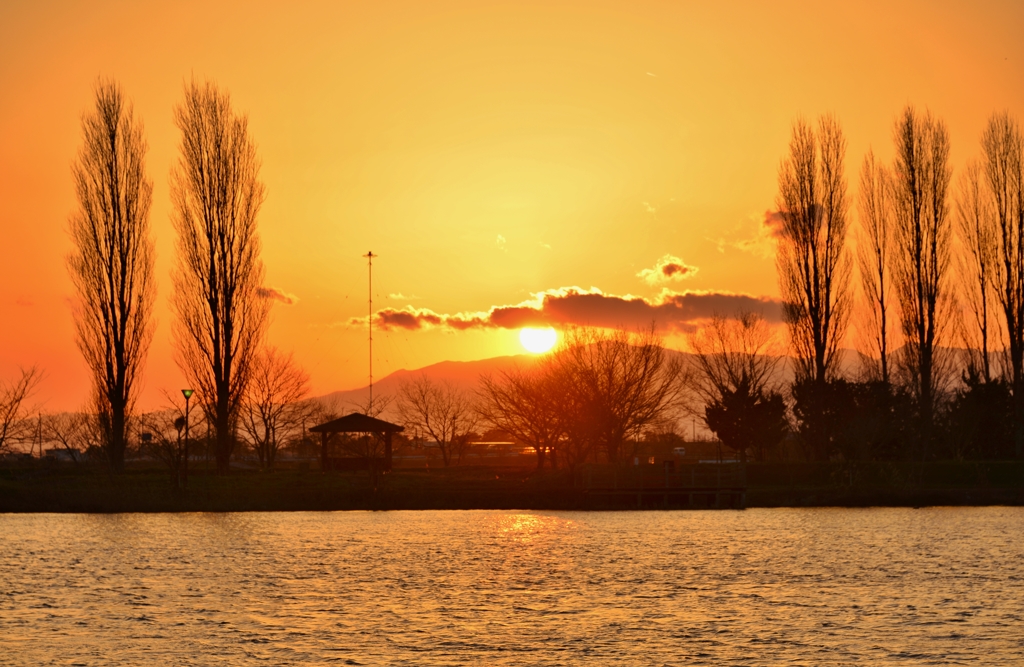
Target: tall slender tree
{"x": 976, "y": 232}
{"x": 873, "y": 253}
{"x": 921, "y": 176}
{"x": 111, "y": 265}
{"x": 221, "y": 316}
{"x": 813, "y": 266}
{"x": 1003, "y": 144}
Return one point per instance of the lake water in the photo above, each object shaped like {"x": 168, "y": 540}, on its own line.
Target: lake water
{"x": 759, "y": 587}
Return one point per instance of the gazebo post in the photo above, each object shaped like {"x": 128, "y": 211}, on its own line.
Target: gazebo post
{"x": 323, "y": 451}
{"x": 387, "y": 451}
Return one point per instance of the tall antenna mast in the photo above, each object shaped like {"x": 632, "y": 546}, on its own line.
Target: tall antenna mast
{"x": 369, "y": 321}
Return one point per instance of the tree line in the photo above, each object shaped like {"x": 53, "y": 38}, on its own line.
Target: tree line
{"x": 926, "y": 281}
{"x": 937, "y": 316}
{"x": 925, "y": 276}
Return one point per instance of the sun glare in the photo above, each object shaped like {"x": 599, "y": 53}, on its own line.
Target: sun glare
{"x": 538, "y": 341}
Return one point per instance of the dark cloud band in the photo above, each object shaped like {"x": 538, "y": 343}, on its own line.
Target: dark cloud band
{"x": 277, "y": 295}
{"x": 670, "y": 311}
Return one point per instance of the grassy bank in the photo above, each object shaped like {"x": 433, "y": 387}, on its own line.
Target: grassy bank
{"x": 148, "y": 489}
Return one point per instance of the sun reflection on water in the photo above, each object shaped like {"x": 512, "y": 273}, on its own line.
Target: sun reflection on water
{"x": 526, "y": 528}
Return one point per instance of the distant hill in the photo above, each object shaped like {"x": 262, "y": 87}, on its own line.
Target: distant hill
{"x": 463, "y": 374}
{"x": 466, "y": 375}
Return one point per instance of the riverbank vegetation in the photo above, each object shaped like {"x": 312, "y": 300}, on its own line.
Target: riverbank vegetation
{"x": 42, "y": 487}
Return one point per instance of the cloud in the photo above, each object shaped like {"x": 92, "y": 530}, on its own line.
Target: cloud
{"x": 649, "y": 208}
{"x": 666, "y": 269}
{"x": 772, "y": 224}
{"x": 669, "y": 311}
{"x": 277, "y": 295}
{"x": 398, "y": 296}
{"x": 500, "y": 242}
{"x": 404, "y": 318}
{"x": 652, "y": 74}
{"x": 764, "y": 239}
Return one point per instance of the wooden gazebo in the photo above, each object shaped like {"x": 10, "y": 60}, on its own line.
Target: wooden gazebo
{"x": 355, "y": 423}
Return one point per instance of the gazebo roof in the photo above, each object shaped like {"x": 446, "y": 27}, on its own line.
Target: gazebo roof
{"x": 357, "y": 423}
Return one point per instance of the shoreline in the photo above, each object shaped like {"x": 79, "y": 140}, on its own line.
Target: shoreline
{"x": 147, "y": 490}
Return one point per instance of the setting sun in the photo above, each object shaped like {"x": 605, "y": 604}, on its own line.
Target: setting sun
{"x": 538, "y": 341}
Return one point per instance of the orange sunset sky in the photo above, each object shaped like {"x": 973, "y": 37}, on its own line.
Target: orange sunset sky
{"x": 487, "y": 152}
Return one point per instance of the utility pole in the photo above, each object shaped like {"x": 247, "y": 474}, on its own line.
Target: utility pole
{"x": 369, "y": 322}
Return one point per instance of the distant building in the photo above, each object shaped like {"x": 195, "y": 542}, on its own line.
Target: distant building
{"x": 62, "y": 454}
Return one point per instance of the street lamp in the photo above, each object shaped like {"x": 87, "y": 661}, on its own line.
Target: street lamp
{"x": 187, "y": 393}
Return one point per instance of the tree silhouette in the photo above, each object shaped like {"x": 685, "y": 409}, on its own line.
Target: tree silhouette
{"x": 1003, "y": 145}
{"x": 13, "y": 395}
{"x": 976, "y": 232}
{"x": 221, "y": 316}
{"x": 921, "y": 178}
{"x": 744, "y": 418}
{"x": 273, "y": 405}
{"x": 874, "y": 251}
{"x": 733, "y": 379}
{"x": 440, "y": 410}
{"x": 111, "y": 265}
{"x": 619, "y": 382}
{"x": 813, "y": 267}
{"x": 523, "y": 402}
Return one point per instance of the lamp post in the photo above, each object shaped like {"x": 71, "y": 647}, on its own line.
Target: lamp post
{"x": 187, "y": 393}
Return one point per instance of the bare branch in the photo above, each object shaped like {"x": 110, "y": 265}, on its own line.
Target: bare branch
{"x": 13, "y": 396}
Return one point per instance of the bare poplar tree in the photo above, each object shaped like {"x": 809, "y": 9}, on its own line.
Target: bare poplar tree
{"x": 13, "y": 396}
{"x": 1003, "y": 144}
{"x": 977, "y": 235}
{"x": 440, "y": 410}
{"x": 221, "y": 317}
{"x": 813, "y": 267}
{"x": 273, "y": 405}
{"x": 873, "y": 254}
{"x": 112, "y": 263}
{"x": 921, "y": 176}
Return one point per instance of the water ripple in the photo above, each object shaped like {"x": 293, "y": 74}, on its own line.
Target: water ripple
{"x": 822, "y": 586}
